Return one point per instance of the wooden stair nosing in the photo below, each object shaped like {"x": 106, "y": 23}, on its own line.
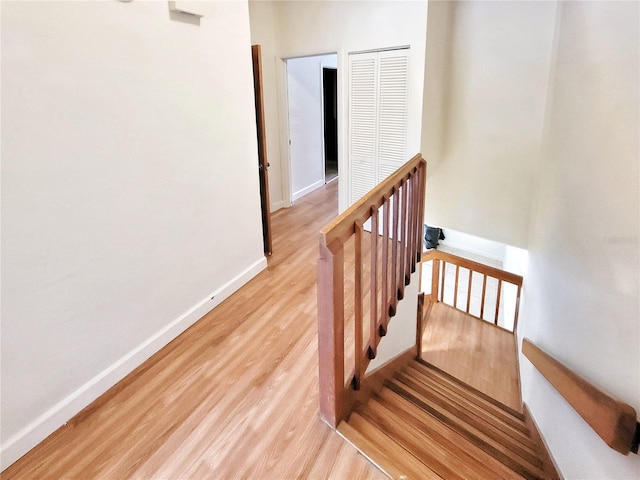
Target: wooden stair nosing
{"x": 458, "y": 389}
{"x": 384, "y": 452}
{"x": 483, "y": 415}
{"x": 461, "y": 445}
{"x": 370, "y": 451}
{"x": 486, "y": 443}
{"x": 441, "y": 373}
{"x": 432, "y": 397}
{"x": 440, "y": 454}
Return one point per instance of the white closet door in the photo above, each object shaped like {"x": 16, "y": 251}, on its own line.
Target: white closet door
{"x": 363, "y": 123}
{"x": 392, "y": 111}
{"x": 378, "y": 103}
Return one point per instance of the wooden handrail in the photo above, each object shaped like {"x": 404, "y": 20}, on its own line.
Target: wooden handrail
{"x": 438, "y": 279}
{"x": 341, "y": 228}
{"x": 393, "y": 213}
{"x": 614, "y": 421}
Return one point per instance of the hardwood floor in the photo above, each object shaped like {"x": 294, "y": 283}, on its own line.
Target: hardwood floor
{"x": 473, "y": 351}
{"x": 235, "y": 396}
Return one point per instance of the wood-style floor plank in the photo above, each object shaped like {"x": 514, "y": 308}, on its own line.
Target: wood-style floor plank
{"x": 235, "y": 396}
{"x": 474, "y": 351}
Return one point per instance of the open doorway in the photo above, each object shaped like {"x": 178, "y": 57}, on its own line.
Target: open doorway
{"x": 330, "y": 122}
{"x": 306, "y": 115}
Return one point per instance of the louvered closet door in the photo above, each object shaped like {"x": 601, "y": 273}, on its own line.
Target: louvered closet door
{"x": 363, "y": 123}
{"x": 392, "y": 111}
{"x": 377, "y": 117}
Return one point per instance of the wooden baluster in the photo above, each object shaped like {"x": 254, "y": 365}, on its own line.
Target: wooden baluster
{"x": 455, "y": 291}
{"x": 357, "y": 339}
{"x": 469, "y": 289}
{"x": 331, "y": 332}
{"x": 385, "y": 267}
{"x": 402, "y": 254}
{"x": 435, "y": 279}
{"x": 373, "y": 317}
{"x": 444, "y": 274}
{"x": 515, "y": 314}
{"x": 421, "y": 197}
{"x": 394, "y": 254}
{"x": 484, "y": 289}
{"x": 406, "y": 236}
{"x": 411, "y": 236}
{"x": 417, "y": 221}
{"x": 420, "y": 324}
{"x": 495, "y": 320}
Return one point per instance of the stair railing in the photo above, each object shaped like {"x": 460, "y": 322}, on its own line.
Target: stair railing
{"x": 367, "y": 255}
{"x": 461, "y": 299}
{"x": 614, "y": 421}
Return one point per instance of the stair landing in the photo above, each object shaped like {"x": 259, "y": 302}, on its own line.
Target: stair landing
{"x": 474, "y": 351}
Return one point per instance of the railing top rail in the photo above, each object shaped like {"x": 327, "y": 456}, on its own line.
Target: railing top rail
{"x": 475, "y": 266}
{"x": 342, "y": 227}
{"x": 614, "y": 421}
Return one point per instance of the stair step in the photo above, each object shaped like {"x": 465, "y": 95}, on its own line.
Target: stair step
{"x": 431, "y": 451}
{"x": 383, "y": 451}
{"x": 515, "y": 418}
{"x": 516, "y": 457}
{"x": 525, "y": 451}
{"x": 437, "y": 432}
{"x": 455, "y": 402}
{"x": 410, "y": 439}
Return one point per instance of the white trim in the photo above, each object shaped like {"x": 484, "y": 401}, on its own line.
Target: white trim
{"x": 280, "y": 204}
{"x": 39, "y": 429}
{"x": 283, "y": 124}
{"x": 285, "y": 132}
{"x": 308, "y": 189}
{"x": 473, "y": 244}
{"x": 324, "y": 154}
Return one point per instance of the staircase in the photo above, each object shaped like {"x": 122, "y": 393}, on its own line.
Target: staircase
{"x": 427, "y": 424}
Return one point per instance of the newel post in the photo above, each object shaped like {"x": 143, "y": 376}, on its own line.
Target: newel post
{"x": 331, "y": 332}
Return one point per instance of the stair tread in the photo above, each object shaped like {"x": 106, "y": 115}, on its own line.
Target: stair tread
{"x": 404, "y": 434}
{"x": 431, "y": 377}
{"x": 472, "y": 393}
{"x": 437, "y": 431}
{"x": 525, "y": 451}
{"x": 442, "y": 455}
{"x": 528, "y": 467}
{"x": 383, "y": 451}
{"x": 457, "y": 401}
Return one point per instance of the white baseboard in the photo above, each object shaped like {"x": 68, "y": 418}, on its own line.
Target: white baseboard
{"x": 482, "y": 247}
{"x": 280, "y": 204}
{"x": 40, "y": 428}
{"x": 309, "y": 189}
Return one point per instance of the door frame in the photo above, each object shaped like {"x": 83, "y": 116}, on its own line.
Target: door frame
{"x": 283, "y": 110}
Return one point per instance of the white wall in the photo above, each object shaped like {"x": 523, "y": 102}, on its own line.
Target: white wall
{"x": 129, "y": 193}
{"x": 486, "y": 75}
{"x": 304, "y": 86}
{"x": 582, "y": 285}
{"x": 401, "y": 332}
{"x": 320, "y": 27}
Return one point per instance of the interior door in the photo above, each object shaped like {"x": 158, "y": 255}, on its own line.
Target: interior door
{"x": 378, "y": 99}
{"x": 263, "y": 164}
{"x": 363, "y": 123}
